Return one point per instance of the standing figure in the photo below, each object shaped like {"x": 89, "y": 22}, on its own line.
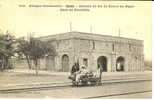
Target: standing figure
{"x": 73, "y": 69}
{"x": 100, "y": 68}
{"x": 118, "y": 66}
{"x": 73, "y": 73}
{"x": 77, "y": 66}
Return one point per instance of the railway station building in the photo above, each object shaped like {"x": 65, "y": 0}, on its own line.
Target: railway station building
{"x": 114, "y": 54}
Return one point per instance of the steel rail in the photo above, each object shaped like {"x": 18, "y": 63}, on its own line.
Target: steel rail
{"x": 61, "y": 87}
{"x": 118, "y": 94}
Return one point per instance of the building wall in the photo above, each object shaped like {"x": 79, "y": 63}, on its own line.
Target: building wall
{"x": 80, "y": 49}
{"x": 63, "y": 47}
{"x": 93, "y": 49}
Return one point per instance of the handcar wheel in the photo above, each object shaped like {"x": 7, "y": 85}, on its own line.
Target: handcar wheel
{"x": 85, "y": 83}
{"x": 73, "y": 83}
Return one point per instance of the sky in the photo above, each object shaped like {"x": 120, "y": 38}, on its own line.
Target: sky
{"x": 135, "y": 22}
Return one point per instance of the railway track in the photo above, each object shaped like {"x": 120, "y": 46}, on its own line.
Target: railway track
{"x": 119, "y": 94}
{"x": 34, "y": 89}
{"x": 68, "y": 85}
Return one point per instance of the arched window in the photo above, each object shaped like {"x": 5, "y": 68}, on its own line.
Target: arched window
{"x": 129, "y": 47}
{"x": 112, "y": 47}
{"x": 65, "y": 63}
{"x": 93, "y": 45}
{"x": 102, "y": 62}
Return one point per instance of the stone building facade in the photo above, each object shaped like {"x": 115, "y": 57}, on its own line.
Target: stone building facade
{"x": 114, "y": 54}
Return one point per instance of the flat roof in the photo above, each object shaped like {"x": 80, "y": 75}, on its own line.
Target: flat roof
{"x": 90, "y": 36}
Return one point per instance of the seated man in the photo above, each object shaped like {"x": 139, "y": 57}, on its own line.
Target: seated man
{"x": 82, "y": 72}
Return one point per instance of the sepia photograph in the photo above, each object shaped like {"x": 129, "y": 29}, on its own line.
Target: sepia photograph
{"x": 75, "y": 49}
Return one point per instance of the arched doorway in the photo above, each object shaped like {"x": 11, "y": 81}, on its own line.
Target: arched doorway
{"x": 120, "y": 64}
{"x": 65, "y": 63}
{"x": 102, "y": 61}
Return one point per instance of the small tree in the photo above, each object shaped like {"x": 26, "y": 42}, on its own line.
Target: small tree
{"x": 35, "y": 49}
{"x": 40, "y": 49}
{"x": 23, "y": 48}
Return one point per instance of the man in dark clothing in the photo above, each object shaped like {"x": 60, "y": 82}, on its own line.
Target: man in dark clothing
{"x": 77, "y": 66}
{"x": 74, "y": 68}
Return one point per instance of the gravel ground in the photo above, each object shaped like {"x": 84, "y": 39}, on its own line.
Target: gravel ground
{"x": 89, "y": 92}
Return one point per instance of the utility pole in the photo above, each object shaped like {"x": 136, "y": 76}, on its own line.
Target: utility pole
{"x": 119, "y": 32}
{"x": 70, "y": 26}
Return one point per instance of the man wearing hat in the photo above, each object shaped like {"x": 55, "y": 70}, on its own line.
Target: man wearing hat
{"x": 83, "y": 70}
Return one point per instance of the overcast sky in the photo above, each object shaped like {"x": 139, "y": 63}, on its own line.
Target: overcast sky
{"x": 135, "y": 22}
